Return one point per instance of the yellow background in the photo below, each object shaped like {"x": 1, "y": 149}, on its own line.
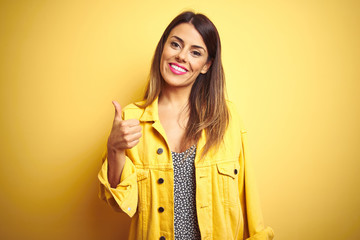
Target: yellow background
{"x": 292, "y": 67}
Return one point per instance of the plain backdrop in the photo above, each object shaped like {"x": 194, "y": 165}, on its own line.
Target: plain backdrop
{"x": 292, "y": 68}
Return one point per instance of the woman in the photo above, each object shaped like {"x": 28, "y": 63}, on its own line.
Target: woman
{"x": 175, "y": 162}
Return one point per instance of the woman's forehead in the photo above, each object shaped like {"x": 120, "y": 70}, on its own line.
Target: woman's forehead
{"x": 188, "y": 33}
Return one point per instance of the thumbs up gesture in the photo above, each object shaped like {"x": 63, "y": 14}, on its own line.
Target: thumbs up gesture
{"x": 125, "y": 134}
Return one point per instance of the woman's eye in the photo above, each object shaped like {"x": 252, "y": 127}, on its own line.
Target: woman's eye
{"x": 196, "y": 53}
{"x": 175, "y": 44}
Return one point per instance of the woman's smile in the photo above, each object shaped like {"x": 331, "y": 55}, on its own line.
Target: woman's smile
{"x": 177, "y": 69}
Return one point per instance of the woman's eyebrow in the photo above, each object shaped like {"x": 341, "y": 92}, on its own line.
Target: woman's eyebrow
{"x": 182, "y": 41}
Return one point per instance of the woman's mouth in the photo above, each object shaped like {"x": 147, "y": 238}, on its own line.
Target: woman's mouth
{"x": 176, "y": 69}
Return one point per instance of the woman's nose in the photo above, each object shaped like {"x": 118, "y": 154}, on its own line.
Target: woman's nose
{"x": 181, "y": 56}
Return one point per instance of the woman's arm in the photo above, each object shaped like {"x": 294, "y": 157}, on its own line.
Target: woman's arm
{"x": 124, "y": 135}
{"x": 116, "y": 162}
{"x": 250, "y": 202}
{"x": 117, "y": 176}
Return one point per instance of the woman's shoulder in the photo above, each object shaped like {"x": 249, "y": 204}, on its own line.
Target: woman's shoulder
{"x": 133, "y": 110}
{"x": 233, "y": 109}
{"x": 231, "y": 106}
{"x": 134, "y": 106}
{"x": 235, "y": 117}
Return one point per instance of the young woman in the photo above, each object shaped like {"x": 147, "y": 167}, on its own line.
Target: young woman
{"x": 176, "y": 162}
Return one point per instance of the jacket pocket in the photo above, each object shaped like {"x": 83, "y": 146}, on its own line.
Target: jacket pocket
{"x": 228, "y": 180}
{"x": 142, "y": 181}
{"x": 142, "y": 174}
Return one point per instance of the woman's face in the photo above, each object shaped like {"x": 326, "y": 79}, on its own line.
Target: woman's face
{"x": 184, "y": 56}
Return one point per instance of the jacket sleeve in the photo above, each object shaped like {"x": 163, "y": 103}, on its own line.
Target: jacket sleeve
{"x": 254, "y": 228}
{"x": 125, "y": 196}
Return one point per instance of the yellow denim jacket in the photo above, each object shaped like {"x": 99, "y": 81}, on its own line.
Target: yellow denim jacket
{"x": 227, "y": 202}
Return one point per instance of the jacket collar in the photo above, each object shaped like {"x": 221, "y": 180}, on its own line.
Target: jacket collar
{"x": 151, "y": 112}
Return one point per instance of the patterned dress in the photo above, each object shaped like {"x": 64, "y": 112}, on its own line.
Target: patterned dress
{"x": 185, "y": 219}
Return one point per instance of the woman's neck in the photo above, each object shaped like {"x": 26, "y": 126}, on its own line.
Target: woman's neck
{"x": 176, "y": 98}
{"x": 174, "y": 109}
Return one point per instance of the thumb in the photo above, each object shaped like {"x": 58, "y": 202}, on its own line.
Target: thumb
{"x": 117, "y": 111}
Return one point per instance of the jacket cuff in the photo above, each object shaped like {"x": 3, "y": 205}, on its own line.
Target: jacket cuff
{"x": 126, "y": 192}
{"x": 265, "y": 234}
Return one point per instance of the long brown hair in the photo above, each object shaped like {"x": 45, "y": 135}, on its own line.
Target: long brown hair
{"x": 207, "y": 104}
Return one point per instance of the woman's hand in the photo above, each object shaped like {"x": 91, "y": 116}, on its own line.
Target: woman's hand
{"x": 125, "y": 134}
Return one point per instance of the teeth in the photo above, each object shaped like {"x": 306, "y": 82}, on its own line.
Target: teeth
{"x": 178, "y": 68}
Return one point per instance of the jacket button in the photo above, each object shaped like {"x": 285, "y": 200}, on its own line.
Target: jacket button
{"x": 236, "y": 171}
{"x": 162, "y": 238}
{"x": 160, "y": 151}
{"x": 160, "y": 180}
{"x": 161, "y": 209}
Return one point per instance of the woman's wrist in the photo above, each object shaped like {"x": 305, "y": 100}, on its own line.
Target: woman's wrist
{"x": 115, "y": 154}
{"x": 116, "y": 162}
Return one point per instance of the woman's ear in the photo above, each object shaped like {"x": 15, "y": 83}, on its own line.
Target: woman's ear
{"x": 206, "y": 67}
